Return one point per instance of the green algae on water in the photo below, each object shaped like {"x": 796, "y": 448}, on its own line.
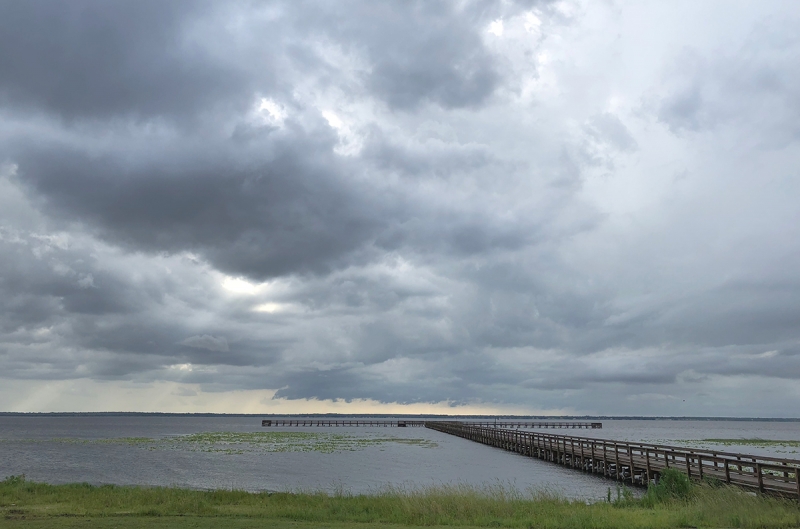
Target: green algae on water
{"x": 255, "y": 442}
{"x": 287, "y": 442}
{"x": 761, "y": 443}
{"x": 779, "y": 446}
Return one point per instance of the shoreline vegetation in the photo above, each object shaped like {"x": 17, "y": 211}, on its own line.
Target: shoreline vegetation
{"x": 675, "y": 502}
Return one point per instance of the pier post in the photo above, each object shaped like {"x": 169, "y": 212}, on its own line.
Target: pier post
{"x": 583, "y": 458}
{"x": 797, "y": 480}
{"x": 630, "y": 462}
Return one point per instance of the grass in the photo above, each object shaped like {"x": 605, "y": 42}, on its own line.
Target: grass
{"x": 33, "y": 505}
{"x": 245, "y": 442}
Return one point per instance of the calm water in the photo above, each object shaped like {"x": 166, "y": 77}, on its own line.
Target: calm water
{"x": 99, "y": 450}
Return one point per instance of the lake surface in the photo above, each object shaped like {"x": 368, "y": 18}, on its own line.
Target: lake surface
{"x": 236, "y": 452}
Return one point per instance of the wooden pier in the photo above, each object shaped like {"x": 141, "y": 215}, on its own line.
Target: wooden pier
{"x": 638, "y": 463}
{"x": 327, "y": 422}
{"x": 402, "y": 423}
{"x": 531, "y": 424}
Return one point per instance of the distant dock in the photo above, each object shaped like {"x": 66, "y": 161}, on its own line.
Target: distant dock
{"x": 299, "y": 422}
{"x": 532, "y": 424}
{"x": 330, "y": 423}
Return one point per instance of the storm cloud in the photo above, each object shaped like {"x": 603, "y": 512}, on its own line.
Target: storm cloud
{"x": 564, "y": 207}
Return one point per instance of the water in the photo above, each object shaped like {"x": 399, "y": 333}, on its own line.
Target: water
{"x": 101, "y": 449}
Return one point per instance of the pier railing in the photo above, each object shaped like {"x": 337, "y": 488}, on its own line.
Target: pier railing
{"x": 639, "y": 463}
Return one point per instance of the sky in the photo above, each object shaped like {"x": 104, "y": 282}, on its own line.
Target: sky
{"x": 547, "y": 208}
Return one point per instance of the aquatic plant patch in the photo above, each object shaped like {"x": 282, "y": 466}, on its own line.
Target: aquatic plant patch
{"x": 250, "y": 442}
{"x": 754, "y": 442}
{"x": 778, "y": 446}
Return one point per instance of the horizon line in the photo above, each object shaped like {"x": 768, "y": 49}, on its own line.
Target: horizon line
{"x": 476, "y": 416}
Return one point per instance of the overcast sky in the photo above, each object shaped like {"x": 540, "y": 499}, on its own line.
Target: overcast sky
{"x": 357, "y": 206}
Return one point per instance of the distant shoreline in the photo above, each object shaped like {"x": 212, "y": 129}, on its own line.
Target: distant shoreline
{"x": 406, "y": 416}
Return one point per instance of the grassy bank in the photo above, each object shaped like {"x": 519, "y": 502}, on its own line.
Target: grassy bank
{"x": 34, "y": 505}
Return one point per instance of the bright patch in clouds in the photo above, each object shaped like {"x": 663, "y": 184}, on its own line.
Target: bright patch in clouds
{"x": 532, "y": 23}
{"x": 237, "y": 285}
{"x": 271, "y": 112}
{"x": 270, "y": 308}
{"x": 496, "y": 28}
{"x": 350, "y": 143}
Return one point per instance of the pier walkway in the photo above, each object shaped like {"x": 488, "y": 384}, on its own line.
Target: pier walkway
{"x": 638, "y": 463}
{"x": 407, "y": 423}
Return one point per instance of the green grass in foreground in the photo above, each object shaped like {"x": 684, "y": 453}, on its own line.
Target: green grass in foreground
{"x": 674, "y": 504}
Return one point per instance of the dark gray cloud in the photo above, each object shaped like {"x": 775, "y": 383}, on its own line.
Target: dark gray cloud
{"x": 253, "y": 199}
{"x": 416, "y": 52}
{"x": 403, "y": 202}
{"x": 91, "y": 59}
{"x": 143, "y": 60}
{"x": 445, "y": 62}
{"x": 261, "y": 218}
